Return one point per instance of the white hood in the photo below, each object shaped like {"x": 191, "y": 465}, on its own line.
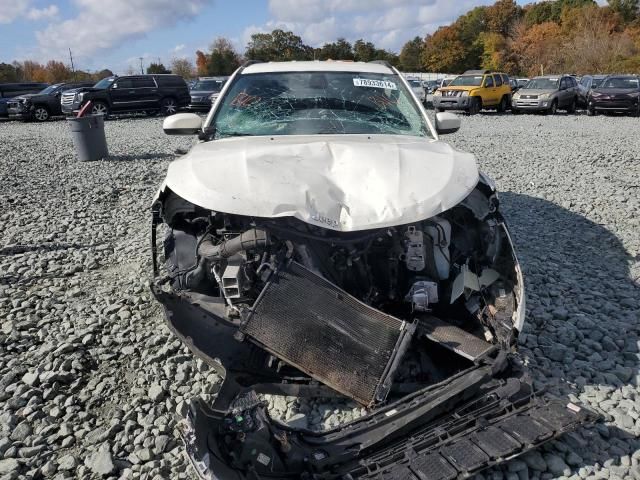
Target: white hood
{"x": 344, "y": 183}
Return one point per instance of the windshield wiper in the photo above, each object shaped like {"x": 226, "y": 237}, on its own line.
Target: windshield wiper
{"x": 233, "y": 134}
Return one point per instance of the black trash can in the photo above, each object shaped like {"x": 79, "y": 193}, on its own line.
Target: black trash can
{"x": 89, "y": 139}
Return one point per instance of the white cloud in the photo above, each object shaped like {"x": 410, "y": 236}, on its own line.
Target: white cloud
{"x": 43, "y": 13}
{"x": 387, "y": 23}
{"x": 100, "y": 26}
{"x": 10, "y": 10}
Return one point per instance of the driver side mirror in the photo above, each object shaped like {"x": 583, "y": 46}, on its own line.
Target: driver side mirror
{"x": 447, "y": 123}
{"x": 182, "y": 124}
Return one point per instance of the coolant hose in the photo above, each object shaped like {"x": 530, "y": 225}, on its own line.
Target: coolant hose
{"x": 254, "y": 238}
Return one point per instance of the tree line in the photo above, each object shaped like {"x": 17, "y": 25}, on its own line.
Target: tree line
{"x": 576, "y": 36}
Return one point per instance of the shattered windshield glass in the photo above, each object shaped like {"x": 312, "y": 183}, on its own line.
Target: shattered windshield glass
{"x": 310, "y": 103}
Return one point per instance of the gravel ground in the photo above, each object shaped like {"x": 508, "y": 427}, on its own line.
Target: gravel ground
{"x": 91, "y": 380}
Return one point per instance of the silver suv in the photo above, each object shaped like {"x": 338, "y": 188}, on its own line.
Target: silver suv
{"x": 547, "y": 94}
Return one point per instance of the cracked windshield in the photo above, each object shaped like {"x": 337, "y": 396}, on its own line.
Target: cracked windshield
{"x": 318, "y": 103}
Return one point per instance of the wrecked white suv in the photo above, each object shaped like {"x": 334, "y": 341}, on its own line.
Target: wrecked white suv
{"x": 319, "y": 237}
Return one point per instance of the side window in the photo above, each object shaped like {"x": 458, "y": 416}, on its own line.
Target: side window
{"x": 564, "y": 83}
{"x": 505, "y": 79}
{"x": 123, "y": 83}
{"x": 488, "y": 81}
{"x": 143, "y": 82}
{"x": 498, "y": 80}
{"x": 583, "y": 81}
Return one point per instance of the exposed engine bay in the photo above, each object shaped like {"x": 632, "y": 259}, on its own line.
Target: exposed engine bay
{"x": 343, "y": 308}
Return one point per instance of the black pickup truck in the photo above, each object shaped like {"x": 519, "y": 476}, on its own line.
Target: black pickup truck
{"x": 132, "y": 93}
{"x": 42, "y": 105}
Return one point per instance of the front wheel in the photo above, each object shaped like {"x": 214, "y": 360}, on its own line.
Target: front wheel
{"x": 441, "y": 110}
{"x": 169, "y": 106}
{"x": 474, "y": 106}
{"x": 590, "y": 112}
{"x": 515, "y": 111}
{"x": 572, "y": 106}
{"x": 100, "y": 108}
{"x": 502, "y": 107}
{"x": 41, "y": 114}
{"x": 553, "y": 108}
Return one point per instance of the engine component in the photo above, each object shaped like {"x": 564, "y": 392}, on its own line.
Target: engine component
{"x": 416, "y": 252}
{"x": 422, "y": 294}
{"x": 328, "y": 334}
{"x": 439, "y": 230}
{"x": 250, "y": 239}
{"x": 231, "y": 280}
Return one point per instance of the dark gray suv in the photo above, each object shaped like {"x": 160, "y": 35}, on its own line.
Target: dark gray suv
{"x": 205, "y": 91}
{"x": 547, "y": 94}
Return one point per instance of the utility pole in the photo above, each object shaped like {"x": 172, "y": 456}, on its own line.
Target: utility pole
{"x": 141, "y": 69}
{"x": 73, "y": 70}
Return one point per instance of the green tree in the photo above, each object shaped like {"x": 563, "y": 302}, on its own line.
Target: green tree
{"x": 8, "y": 73}
{"x": 502, "y": 15}
{"x": 364, "y": 51}
{"x": 627, "y": 9}
{"x": 338, "y": 50}
{"x": 277, "y": 46}
{"x": 444, "y": 51}
{"x": 223, "y": 59}
{"x": 410, "y": 56}
{"x": 157, "y": 68}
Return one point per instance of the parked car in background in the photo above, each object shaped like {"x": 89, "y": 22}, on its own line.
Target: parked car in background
{"x": 444, "y": 82}
{"x": 585, "y": 85}
{"x": 547, "y": 94}
{"x": 42, "y": 105}
{"x": 418, "y": 90}
{"x": 132, "y": 93}
{"x": 430, "y": 86}
{"x": 205, "y": 91}
{"x": 522, "y": 82}
{"x": 474, "y": 90}
{"x": 616, "y": 93}
{"x": 515, "y": 86}
{"x": 10, "y": 90}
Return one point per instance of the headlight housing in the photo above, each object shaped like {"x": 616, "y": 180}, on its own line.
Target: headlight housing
{"x": 544, "y": 96}
{"x": 516, "y": 95}
{"x": 464, "y": 94}
{"x": 437, "y": 93}
{"x": 80, "y": 96}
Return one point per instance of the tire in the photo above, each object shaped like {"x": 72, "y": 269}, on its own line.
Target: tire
{"x": 572, "y": 106}
{"x": 474, "y": 106}
{"x": 515, "y": 111}
{"x": 502, "y": 107}
{"x": 40, "y": 113}
{"x": 441, "y": 110}
{"x": 100, "y": 108}
{"x": 590, "y": 112}
{"x": 553, "y": 108}
{"x": 169, "y": 106}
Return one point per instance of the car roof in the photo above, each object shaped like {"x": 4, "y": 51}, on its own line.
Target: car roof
{"x": 317, "y": 66}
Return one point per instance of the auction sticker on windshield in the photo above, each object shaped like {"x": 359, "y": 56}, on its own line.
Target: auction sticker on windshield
{"x": 367, "y": 82}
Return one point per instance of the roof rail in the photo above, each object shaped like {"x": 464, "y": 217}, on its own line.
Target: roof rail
{"x": 250, "y": 62}
{"x": 477, "y": 72}
{"x": 382, "y": 62}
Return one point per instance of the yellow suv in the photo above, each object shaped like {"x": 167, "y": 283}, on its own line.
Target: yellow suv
{"x": 474, "y": 90}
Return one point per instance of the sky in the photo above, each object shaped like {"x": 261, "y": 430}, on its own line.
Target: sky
{"x": 114, "y": 34}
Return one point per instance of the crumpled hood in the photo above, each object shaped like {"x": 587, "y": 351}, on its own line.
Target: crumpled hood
{"x": 344, "y": 183}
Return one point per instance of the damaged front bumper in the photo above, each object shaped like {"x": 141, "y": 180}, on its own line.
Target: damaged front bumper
{"x": 480, "y": 417}
{"x": 453, "y": 430}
